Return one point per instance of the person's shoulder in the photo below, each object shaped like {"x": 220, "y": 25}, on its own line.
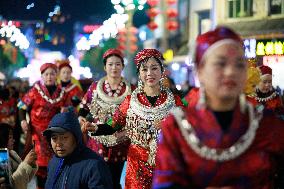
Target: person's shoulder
{"x": 88, "y": 154}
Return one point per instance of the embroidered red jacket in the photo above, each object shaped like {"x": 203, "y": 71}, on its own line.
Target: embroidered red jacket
{"x": 42, "y": 108}
{"x": 181, "y": 167}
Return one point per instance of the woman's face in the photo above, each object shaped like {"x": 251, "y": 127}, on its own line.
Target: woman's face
{"x": 265, "y": 84}
{"x": 113, "y": 67}
{"x": 223, "y": 72}
{"x": 49, "y": 77}
{"x": 65, "y": 74}
{"x": 150, "y": 73}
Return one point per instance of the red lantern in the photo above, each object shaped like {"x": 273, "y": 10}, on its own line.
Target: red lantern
{"x": 133, "y": 48}
{"x": 122, "y": 31}
{"x": 133, "y": 39}
{"x": 121, "y": 47}
{"x": 133, "y": 30}
{"x": 172, "y": 13}
{"x": 152, "y": 25}
{"x": 152, "y": 12}
{"x": 121, "y": 39}
{"x": 152, "y": 3}
{"x": 171, "y": 2}
{"x": 172, "y": 25}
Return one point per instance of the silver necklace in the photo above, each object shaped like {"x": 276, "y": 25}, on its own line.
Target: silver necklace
{"x": 220, "y": 155}
{"x": 112, "y": 99}
{"x": 44, "y": 96}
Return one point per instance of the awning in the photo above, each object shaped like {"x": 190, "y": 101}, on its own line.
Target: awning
{"x": 265, "y": 28}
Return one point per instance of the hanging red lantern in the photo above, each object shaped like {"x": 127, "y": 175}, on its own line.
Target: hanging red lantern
{"x": 133, "y": 48}
{"x": 171, "y": 2}
{"x": 121, "y": 47}
{"x": 122, "y": 31}
{"x": 172, "y": 25}
{"x": 133, "y": 30}
{"x": 121, "y": 39}
{"x": 172, "y": 13}
{"x": 152, "y": 25}
{"x": 152, "y": 3}
{"x": 133, "y": 39}
{"x": 152, "y": 12}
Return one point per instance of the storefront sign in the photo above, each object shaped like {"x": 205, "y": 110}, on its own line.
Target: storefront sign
{"x": 273, "y": 60}
{"x": 250, "y": 46}
{"x": 269, "y": 48}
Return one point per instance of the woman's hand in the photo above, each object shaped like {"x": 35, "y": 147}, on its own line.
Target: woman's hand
{"x": 31, "y": 158}
{"x": 63, "y": 109}
{"x": 86, "y": 125}
{"x": 24, "y": 125}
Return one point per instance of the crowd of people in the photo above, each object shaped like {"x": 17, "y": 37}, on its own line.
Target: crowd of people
{"x": 213, "y": 136}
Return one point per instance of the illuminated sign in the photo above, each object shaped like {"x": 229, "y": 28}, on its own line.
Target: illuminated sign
{"x": 269, "y": 48}
{"x": 250, "y": 45}
{"x": 272, "y": 60}
{"x": 168, "y": 55}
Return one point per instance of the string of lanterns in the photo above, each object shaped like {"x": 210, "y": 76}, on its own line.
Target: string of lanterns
{"x": 170, "y": 12}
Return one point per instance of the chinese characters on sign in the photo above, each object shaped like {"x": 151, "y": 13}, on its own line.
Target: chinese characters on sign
{"x": 255, "y": 47}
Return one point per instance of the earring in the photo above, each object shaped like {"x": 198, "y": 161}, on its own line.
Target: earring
{"x": 202, "y": 98}
{"x": 161, "y": 83}
{"x": 140, "y": 85}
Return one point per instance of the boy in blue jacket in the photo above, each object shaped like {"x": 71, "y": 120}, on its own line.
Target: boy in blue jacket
{"x": 74, "y": 165}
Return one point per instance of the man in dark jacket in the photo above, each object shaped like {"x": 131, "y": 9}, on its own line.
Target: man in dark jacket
{"x": 74, "y": 166}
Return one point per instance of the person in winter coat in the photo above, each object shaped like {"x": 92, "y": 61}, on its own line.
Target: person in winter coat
{"x": 74, "y": 165}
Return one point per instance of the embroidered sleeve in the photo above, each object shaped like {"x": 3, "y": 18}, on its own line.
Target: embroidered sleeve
{"x": 119, "y": 117}
{"x": 27, "y": 100}
{"x": 169, "y": 172}
{"x": 88, "y": 97}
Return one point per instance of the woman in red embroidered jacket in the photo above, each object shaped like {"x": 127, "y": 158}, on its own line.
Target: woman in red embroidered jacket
{"x": 73, "y": 91}
{"x": 99, "y": 104}
{"x": 222, "y": 142}
{"x": 265, "y": 93}
{"x": 140, "y": 114}
{"x": 42, "y": 102}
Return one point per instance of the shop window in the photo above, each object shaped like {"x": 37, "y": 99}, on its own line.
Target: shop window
{"x": 276, "y": 6}
{"x": 239, "y": 8}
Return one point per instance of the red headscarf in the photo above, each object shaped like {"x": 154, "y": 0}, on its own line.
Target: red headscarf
{"x": 147, "y": 53}
{"x": 113, "y": 52}
{"x": 64, "y": 64}
{"x": 265, "y": 70}
{"x": 208, "y": 40}
{"x": 47, "y": 65}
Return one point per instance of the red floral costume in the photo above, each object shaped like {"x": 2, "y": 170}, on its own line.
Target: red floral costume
{"x": 143, "y": 134}
{"x": 272, "y": 101}
{"x": 110, "y": 150}
{"x": 73, "y": 90}
{"x": 42, "y": 108}
{"x": 180, "y": 166}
